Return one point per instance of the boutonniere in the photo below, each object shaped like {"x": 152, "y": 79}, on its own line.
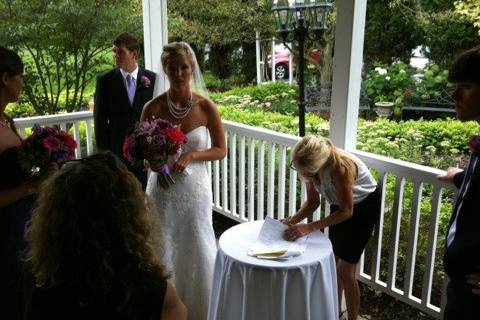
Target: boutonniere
{"x": 474, "y": 144}
{"x": 145, "y": 82}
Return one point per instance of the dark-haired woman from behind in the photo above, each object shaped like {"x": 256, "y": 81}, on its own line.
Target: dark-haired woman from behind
{"x": 92, "y": 248}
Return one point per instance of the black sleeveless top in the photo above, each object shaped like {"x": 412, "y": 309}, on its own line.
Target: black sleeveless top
{"x": 12, "y": 170}
{"x": 146, "y": 302}
{"x": 13, "y": 219}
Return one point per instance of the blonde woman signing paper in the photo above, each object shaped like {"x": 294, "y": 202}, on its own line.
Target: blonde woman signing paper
{"x": 347, "y": 184}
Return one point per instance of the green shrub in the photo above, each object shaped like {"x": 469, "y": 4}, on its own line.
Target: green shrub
{"x": 20, "y": 110}
{"x": 212, "y": 82}
{"x": 389, "y": 82}
{"x": 276, "y": 96}
{"x": 432, "y": 83}
{"x": 436, "y": 143}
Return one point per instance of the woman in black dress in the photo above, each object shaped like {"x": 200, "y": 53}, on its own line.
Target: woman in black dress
{"x": 16, "y": 187}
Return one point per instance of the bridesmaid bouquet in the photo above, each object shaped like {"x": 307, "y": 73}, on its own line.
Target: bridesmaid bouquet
{"x": 47, "y": 146}
{"x": 157, "y": 141}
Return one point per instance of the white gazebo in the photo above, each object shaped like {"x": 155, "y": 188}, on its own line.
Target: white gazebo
{"x": 260, "y": 186}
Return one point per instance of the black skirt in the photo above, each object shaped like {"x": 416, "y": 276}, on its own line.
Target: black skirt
{"x": 350, "y": 237}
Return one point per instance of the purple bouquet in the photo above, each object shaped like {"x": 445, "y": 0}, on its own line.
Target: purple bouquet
{"x": 47, "y": 146}
{"x": 157, "y": 141}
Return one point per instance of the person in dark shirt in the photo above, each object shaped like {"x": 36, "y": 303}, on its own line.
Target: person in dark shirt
{"x": 120, "y": 95}
{"x": 92, "y": 248}
{"x": 462, "y": 252}
{"x": 17, "y": 188}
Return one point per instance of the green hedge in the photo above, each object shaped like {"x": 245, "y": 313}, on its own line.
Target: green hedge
{"x": 436, "y": 143}
{"x": 274, "y": 96}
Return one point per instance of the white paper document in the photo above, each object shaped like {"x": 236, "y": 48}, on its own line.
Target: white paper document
{"x": 270, "y": 243}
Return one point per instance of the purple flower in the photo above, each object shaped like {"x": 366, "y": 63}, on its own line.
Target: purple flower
{"x": 165, "y": 170}
{"x": 144, "y": 81}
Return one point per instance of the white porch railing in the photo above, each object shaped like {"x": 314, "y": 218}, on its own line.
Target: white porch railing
{"x": 255, "y": 180}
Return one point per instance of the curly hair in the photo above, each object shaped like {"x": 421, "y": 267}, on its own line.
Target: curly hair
{"x": 175, "y": 49}
{"x": 313, "y": 154}
{"x": 92, "y": 229}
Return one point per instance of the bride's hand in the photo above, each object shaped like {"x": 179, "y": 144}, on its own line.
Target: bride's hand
{"x": 182, "y": 162}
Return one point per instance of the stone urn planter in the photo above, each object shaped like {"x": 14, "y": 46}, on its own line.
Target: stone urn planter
{"x": 384, "y": 109}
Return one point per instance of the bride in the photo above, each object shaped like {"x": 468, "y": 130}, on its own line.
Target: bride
{"x": 185, "y": 208}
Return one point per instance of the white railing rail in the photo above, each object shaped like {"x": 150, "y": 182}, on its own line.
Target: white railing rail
{"x": 255, "y": 180}
{"x": 426, "y": 190}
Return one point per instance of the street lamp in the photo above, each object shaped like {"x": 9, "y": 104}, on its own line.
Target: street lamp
{"x": 297, "y": 21}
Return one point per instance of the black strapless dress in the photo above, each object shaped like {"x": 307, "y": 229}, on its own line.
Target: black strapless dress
{"x": 13, "y": 219}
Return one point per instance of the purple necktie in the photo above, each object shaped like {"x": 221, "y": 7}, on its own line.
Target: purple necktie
{"x": 130, "y": 88}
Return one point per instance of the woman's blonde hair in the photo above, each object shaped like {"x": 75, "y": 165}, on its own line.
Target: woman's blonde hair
{"x": 175, "y": 49}
{"x": 92, "y": 229}
{"x": 313, "y": 154}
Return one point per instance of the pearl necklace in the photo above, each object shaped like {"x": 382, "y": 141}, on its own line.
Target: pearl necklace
{"x": 177, "y": 112}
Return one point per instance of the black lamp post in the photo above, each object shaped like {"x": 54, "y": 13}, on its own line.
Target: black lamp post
{"x": 298, "y": 21}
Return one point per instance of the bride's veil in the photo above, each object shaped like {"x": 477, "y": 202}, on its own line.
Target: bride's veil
{"x": 196, "y": 83}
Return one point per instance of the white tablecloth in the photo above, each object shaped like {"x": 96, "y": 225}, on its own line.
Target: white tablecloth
{"x": 245, "y": 287}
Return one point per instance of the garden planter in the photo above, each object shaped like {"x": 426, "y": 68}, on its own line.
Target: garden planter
{"x": 384, "y": 109}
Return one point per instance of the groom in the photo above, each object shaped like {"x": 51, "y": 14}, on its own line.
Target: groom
{"x": 462, "y": 252}
{"x": 120, "y": 95}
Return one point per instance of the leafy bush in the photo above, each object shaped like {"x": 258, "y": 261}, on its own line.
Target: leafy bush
{"x": 277, "y": 97}
{"x": 212, "y": 82}
{"x": 389, "y": 82}
{"x": 432, "y": 82}
{"x": 274, "y": 120}
{"x": 20, "y": 110}
{"x": 398, "y": 83}
{"x": 436, "y": 143}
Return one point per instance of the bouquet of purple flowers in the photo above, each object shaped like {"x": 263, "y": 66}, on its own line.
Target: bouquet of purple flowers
{"x": 157, "y": 141}
{"x": 47, "y": 146}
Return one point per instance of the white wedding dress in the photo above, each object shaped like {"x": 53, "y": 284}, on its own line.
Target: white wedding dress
{"x": 188, "y": 240}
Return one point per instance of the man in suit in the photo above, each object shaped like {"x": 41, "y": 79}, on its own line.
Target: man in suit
{"x": 462, "y": 252}
{"x": 120, "y": 95}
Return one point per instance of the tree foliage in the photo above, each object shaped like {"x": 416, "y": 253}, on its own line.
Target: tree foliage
{"x": 469, "y": 9}
{"x": 225, "y": 26}
{"x": 391, "y": 31}
{"x": 447, "y": 33}
{"x": 218, "y": 22}
{"x": 443, "y": 27}
{"x": 63, "y": 44}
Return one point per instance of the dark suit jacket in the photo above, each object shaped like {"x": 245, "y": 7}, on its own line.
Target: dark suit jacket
{"x": 462, "y": 256}
{"x": 113, "y": 115}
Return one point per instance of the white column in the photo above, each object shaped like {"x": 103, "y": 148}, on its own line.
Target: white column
{"x": 347, "y": 72}
{"x": 258, "y": 57}
{"x": 273, "y": 59}
{"x": 290, "y": 66}
{"x": 155, "y": 34}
